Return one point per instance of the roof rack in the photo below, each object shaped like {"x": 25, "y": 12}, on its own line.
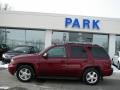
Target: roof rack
{"x": 79, "y": 43}
{"x": 89, "y": 43}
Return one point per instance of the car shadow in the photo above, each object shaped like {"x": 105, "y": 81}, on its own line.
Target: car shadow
{"x": 110, "y": 82}
{"x": 105, "y": 82}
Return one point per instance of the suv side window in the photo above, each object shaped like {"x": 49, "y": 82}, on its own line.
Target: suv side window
{"x": 57, "y": 52}
{"x": 78, "y": 52}
{"x": 99, "y": 52}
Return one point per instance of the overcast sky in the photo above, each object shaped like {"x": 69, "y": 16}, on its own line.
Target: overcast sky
{"x": 100, "y": 8}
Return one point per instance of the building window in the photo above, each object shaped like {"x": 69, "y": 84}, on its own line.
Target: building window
{"x": 117, "y": 47}
{"x": 63, "y": 37}
{"x": 60, "y": 37}
{"x": 16, "y": 37}
{"x": 35, "y": 38}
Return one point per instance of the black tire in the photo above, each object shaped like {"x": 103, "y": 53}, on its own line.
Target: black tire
{"x": 30, "y": 73}
{"x": 93, "y": 79}
{"x": 118, "y": 66}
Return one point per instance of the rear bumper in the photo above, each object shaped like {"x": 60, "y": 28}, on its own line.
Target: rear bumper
{"x": 12, "y": 69}
{"x": 108, "y": 72}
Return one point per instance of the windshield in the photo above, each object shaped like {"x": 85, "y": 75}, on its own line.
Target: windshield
{"x": 42, "y": 51}
{"x": 21, "y": 49}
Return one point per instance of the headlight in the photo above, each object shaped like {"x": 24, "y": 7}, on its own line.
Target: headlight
{"x": 3, "y": 55}
{"x": 12, "y": 61}
{"x": 7, "y": 56}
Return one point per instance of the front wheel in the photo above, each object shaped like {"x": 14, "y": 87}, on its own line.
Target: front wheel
{"x": 91, "y": 76}
{"x": 25, "y": 73}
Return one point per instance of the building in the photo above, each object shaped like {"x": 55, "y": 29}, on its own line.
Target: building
{"x": 42, "y": 30}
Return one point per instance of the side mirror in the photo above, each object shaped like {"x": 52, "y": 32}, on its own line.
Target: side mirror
{"x": 45, "y": 55}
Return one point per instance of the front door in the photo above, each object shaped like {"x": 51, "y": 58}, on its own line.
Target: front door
{"x": 54, "y": 62}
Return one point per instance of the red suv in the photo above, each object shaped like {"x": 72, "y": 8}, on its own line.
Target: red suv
{"x": 85, "y": 61}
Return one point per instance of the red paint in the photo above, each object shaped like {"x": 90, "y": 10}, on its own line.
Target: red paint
{"x": 62, "y": 66}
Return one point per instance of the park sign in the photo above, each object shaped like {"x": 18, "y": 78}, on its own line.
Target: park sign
{"x": 82, "y": 24}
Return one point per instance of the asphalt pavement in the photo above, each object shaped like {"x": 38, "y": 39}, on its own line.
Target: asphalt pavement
{"x": 9, "y": 82}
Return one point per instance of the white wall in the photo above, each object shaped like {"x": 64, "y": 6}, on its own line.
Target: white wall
{"x": 111, "y": 50}
{"x": 48, "y": 38}
{"x": 55, "y": 22}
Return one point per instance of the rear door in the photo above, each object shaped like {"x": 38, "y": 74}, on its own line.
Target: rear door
{"x": 77, "y": 58}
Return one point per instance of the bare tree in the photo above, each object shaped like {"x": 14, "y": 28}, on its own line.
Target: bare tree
{"x": 3, "y": 32}
{"x": 0, "y": 6}
{"x": 4, "y": 7}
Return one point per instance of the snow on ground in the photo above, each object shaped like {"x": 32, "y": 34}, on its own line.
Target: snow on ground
{"x": 115, "y": 69}
{"x": 4, "y": 88}
{"x": 3, "y": 65}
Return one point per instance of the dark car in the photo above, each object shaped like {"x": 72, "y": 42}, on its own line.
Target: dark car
{"x": 19, "y": 50}
{"x": 3, "y": 48}
{"x": 88, "y": 62}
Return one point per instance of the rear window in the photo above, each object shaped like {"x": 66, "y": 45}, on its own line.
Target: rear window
{"x": 99, "y": 52}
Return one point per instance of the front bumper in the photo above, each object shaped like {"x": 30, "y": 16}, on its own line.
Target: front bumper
{"x": 12, "y": 68}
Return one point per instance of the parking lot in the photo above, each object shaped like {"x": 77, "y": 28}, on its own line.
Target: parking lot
{"x": 9, "y": 82}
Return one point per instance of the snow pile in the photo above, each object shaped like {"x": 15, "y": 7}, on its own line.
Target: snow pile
{"x": 3, "y": 65}
{"x": 115, "y": 69}
{"x": 4, "y": 88}
{"x": 0, "y": 62}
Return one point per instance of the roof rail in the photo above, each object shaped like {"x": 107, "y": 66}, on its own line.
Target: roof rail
{"x": 90, "y": 43}
{"x": 79, "y": 43}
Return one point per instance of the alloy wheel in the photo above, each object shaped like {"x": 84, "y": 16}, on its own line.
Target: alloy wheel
{"x": 91, "y": 77}
{"x": 25, "y": 74}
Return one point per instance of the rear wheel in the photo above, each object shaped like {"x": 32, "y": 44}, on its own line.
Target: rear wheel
{"x": 25, "y": 73}
{"x": 91, "y": 76}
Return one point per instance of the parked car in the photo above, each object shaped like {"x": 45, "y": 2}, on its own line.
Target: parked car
{"x": 19, "y": 50}
{"x": 116, "y": 59}
{"x": 3, "y": 48}
{"x": 88, "y": 62}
